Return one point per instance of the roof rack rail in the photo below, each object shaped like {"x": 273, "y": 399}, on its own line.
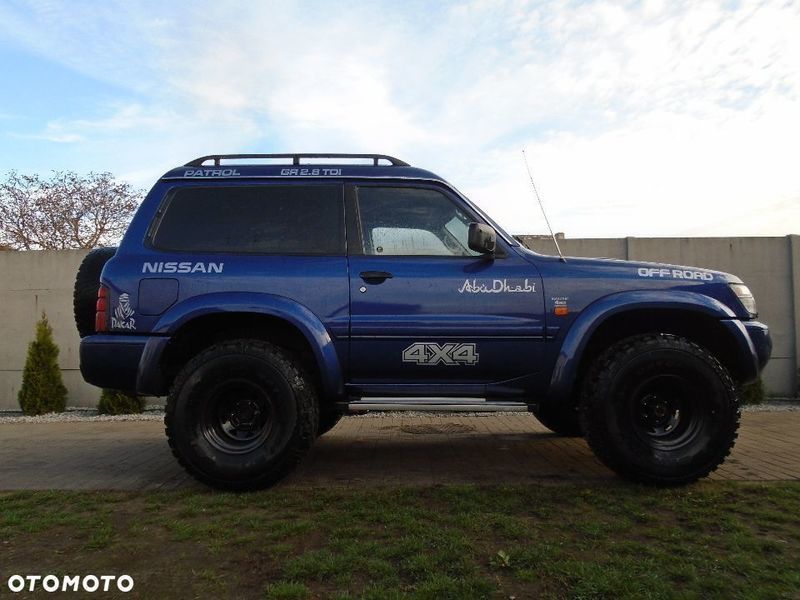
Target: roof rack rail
{"x": 198, "y": 162}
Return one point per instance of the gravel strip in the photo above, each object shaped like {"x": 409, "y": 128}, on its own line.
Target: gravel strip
{"x": 89, "y": 415}
{"x": 784, "y": 405}
{"x": 78, "y": 415}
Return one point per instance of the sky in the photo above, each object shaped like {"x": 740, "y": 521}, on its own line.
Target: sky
{"x": 638, "y": 118}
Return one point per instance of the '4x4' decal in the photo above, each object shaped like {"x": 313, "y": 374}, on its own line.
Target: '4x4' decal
{"x": 429, "y": 353}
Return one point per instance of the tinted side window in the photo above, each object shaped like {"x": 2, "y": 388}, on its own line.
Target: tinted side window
{"x": 411, "y": 221}
{"x": 269, "y": 219}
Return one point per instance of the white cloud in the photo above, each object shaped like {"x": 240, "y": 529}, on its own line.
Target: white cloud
{"x": 51, "y": 136}
{"x": 639, "y": 119}
{"x": 662, "y": 175}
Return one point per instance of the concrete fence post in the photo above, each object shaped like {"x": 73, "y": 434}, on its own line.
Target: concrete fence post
{"x": 794, "y": 264}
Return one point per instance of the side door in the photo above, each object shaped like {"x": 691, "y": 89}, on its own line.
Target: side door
{"x": 428, "y": 313}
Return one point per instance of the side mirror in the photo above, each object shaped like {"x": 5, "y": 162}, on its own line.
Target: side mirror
{"x": 482, "y": 238}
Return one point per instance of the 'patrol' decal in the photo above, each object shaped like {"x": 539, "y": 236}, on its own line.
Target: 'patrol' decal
{"x": 496, "y": 286}
{"x": 450, "y": 354}
{"x": 211, "y": 173}
{"x": 664, "y": 273}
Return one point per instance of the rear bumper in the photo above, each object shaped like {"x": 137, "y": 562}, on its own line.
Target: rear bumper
{"x": 112, "y": 361}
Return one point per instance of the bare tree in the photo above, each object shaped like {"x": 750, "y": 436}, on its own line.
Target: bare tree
{"x": 65, "y": 211}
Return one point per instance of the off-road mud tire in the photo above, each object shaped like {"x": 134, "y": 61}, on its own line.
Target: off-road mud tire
{"x": 241, "y": 377}
{"x": 659, "y": 409}
{"x": 87, "y": 281}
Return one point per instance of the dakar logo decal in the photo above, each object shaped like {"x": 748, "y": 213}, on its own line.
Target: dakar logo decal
{"x": 497, "y": 286}
{"x": 123, "y": 314}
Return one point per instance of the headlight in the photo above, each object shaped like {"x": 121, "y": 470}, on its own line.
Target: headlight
{"x": 745, "y": 297}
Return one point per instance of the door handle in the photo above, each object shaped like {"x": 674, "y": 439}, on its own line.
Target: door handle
{"x": 375, "y": 276}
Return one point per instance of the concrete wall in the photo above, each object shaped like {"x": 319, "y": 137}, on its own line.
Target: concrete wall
{"x": 770, "y": 266}
{"x": 32, "y": 282}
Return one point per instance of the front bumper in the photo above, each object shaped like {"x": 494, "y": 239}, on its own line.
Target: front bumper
{"x": 750, "y": 349}
{"x": 112, "y": 361}
{"x": 762, "y": 342}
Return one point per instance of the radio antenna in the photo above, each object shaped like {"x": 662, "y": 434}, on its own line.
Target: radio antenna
{"x": 546, "y": 220}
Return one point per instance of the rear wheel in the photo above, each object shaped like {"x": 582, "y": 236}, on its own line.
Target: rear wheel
{"x": 660, "y": 409}
{"x": 241, "y": 415}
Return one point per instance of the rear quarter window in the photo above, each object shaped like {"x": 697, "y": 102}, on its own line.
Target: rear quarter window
{"x": 267, "y": 219}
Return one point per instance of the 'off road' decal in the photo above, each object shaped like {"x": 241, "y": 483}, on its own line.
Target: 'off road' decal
{"x": 664, "y": 273}
{"x": 451, "y": 354}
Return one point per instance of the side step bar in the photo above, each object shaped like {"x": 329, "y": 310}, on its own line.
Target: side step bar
{"x": 357, "y": 405}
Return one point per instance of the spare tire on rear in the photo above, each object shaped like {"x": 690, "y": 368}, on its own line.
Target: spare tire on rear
{"x": 84, "y": 299}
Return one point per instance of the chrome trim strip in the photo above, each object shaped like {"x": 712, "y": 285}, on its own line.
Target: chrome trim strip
{"x": 447, "y": 337}
{"x": 435, "y": 404}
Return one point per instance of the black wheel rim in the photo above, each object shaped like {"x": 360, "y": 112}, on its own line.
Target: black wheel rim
{"x": 237, "y": 416}
{"x": 666, "y": 411}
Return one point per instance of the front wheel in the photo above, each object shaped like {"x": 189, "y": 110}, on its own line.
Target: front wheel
{"x": 241, "y": 415}
{"x": 659, "y": 409}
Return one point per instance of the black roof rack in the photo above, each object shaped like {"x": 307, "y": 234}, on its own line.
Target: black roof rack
{"x": 198, "y": 162}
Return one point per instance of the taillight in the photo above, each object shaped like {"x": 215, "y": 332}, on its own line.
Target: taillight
{"x": 101, "y": 316}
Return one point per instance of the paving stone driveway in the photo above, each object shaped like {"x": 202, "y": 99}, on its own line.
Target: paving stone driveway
{"x": 387, "y": 450}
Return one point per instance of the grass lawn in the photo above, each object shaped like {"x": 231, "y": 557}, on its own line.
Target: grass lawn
{"x": 710, "y": 540}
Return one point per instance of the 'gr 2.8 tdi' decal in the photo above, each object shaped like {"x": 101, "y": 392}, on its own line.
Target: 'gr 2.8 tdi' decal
{"x": 429, "y": 353}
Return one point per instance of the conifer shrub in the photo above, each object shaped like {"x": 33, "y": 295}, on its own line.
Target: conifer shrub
{"x": 116, "y": 402}
{"x": 42, "y": 390}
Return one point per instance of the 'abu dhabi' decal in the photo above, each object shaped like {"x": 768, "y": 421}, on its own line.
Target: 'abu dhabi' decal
{"x": 496, "y": 286}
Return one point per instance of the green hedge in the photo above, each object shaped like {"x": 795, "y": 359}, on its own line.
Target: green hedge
{"x": 115, "y": 402}
{"x": 753, "y": 393}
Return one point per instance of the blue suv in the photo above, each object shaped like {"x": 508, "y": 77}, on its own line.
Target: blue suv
{"x": 267, "y": 295}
